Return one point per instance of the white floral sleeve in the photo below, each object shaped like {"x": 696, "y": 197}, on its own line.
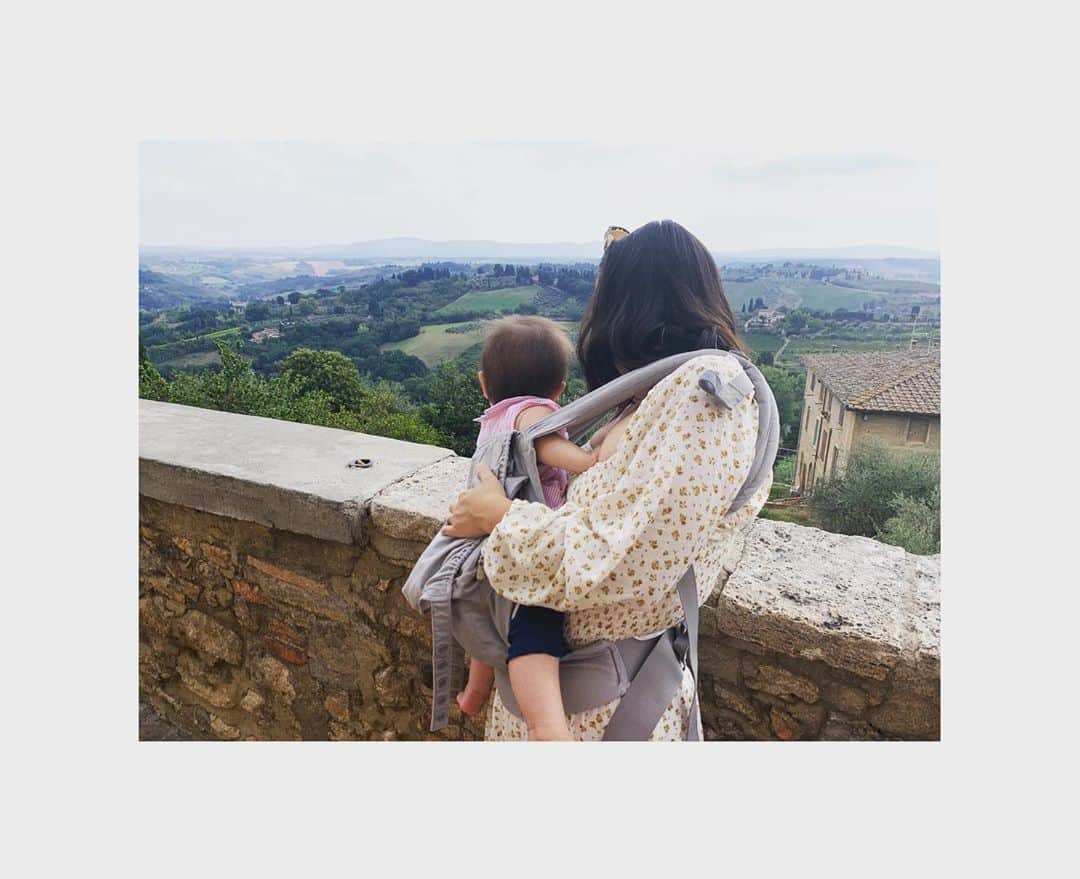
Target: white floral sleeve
{"x": 632, "y": 524}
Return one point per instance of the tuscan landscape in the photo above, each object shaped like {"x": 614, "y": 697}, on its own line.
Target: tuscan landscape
{"x": 389, "y": 346}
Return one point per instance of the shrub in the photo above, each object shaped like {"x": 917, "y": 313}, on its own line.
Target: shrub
{"x": 916, "y": 525}
{"x": 310, "y": 393}
{"x": 862, "y": 500}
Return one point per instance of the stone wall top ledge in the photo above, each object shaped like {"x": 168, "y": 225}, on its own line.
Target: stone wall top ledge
{"x": 852, "y": 602}
{"x": 277, "y": 473}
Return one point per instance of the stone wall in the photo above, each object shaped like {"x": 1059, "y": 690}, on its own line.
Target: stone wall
{"x": 270, "y": 603}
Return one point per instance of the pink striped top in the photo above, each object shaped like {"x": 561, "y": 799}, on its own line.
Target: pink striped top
{"x": 502, "y": 418}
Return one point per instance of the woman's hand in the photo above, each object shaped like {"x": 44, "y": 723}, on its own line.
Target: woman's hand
{"x": 479, "y": 509}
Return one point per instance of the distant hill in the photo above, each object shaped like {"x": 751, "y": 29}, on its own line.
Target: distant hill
{"x": 157, "y": 290}
{"x": 502, "y": 251}
{"x": 814, "y": 254}
{"x": 419, "y": 248}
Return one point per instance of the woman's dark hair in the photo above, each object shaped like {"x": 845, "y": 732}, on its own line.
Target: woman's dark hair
{"x": 658, "y": 292}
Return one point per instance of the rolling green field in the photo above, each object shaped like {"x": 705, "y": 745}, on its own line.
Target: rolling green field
{"x": 826, "y": 297}
{"x": 794, "y": 292}
{"x": 740, "y": 292}
{"x": 435, "y": 345}
{"x": 759, "y": 343}
{"x": 503, "y": 299}
{"x": 198, "y": 360}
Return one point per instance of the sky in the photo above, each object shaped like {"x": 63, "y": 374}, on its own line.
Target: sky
{"x": 277, "y": 194}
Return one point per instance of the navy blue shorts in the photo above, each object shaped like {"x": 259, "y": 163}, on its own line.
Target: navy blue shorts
{"x": 536, "y": 630}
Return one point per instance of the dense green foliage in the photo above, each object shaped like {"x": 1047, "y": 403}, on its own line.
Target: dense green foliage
{"x": 453, "y": 402}
{"x": 917, "y": 523}
{"x": 330, "y": 372}
{"x": 787, "y": 387}
{"x": 379, "y": 409}
{"x": 884, "y": 495}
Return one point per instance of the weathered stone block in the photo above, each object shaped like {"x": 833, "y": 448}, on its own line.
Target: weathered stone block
{"x": 393, "y": 687}
{"x": 784, "y": 725}
{"x": 337, "y": 705}
{"x": 285, "y": 651}
{"x": 223, "y": 730}
{"x": 906, "y": 716}
{"x": 210, "y": 637}
{"x": 251, "y": 701}
{"x": 735, "y": 701}
{"x": 215, "y": 687}
{"x": 847, "y": 700}
{"x": 288, "y": 587}
{"x": 273, "y": 674}
{"x": 346, "y": 656}
{"x": 780, "y": 682}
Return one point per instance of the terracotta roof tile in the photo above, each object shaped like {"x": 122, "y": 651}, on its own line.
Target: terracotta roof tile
{"x": 882, "y": 381}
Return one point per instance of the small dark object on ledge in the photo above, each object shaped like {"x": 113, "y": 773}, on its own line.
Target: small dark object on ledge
{"x": 360, "y": 462}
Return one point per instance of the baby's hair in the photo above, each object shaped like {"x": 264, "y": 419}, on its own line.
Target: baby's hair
{"x": 524, "y": 356}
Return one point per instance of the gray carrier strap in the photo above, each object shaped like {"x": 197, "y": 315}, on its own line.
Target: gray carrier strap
{"x": 446, "y": 662}
{"x": 658, "y": 679}
{"x": 584, "y": 413}
{"x": 749, "y": 381}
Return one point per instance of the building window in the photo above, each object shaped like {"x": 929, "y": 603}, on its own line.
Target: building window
{"x": 918, "y": 429}
{"x": 843, "y": 409}
{"x": 807, "y": 425}
{"x": 813, "y": 381}
{"x": 817, "y": 433}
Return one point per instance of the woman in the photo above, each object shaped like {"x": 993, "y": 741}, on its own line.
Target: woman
{"x": 668, "y": 469}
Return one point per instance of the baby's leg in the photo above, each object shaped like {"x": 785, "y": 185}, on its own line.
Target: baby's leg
{"x": 475, "y": 694}
{"x": 535, "y": 680}
{"x": 536, "y": 643}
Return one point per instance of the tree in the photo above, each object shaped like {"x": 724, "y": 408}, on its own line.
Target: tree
{"x": 280, "y": 300}
{"x": 294, "y": 297}
{"x": 152, "y": 385}
{"x": 330, "y": 372}
{"x": 867, "y": 496}
{"x": 787, "y": 388}
{"x": 308, "y": 306}
{"x": 257, "y": 311}
{"x": 454, "y": 401}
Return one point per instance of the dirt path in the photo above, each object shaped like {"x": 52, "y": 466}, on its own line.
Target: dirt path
{"x": 780, "y": 350}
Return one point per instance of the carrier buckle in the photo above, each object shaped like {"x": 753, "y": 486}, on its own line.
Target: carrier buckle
{"x": 681, "y": 643}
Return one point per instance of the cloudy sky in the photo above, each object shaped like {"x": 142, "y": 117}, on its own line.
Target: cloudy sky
{"x": 272, "y": 194}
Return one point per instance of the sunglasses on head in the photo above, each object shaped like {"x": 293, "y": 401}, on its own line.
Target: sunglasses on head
{"x": 614, "y": 233}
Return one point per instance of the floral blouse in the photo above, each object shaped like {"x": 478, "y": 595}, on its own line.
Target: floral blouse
{"x": 612, "y": 556}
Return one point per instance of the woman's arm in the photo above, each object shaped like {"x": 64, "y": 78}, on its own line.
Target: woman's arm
{"x": 675, "y": 472}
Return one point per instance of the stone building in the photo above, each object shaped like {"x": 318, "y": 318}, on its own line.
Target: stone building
{"x": 893, "y": 397}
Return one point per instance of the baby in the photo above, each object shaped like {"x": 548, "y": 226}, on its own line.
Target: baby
{"x": 523, "y": 370}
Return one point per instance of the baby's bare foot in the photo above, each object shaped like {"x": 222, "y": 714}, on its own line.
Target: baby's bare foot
{"x": 471, "y": 701}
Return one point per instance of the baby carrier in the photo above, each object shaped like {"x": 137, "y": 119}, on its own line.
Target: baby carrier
{"x": 468, "y": 616}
